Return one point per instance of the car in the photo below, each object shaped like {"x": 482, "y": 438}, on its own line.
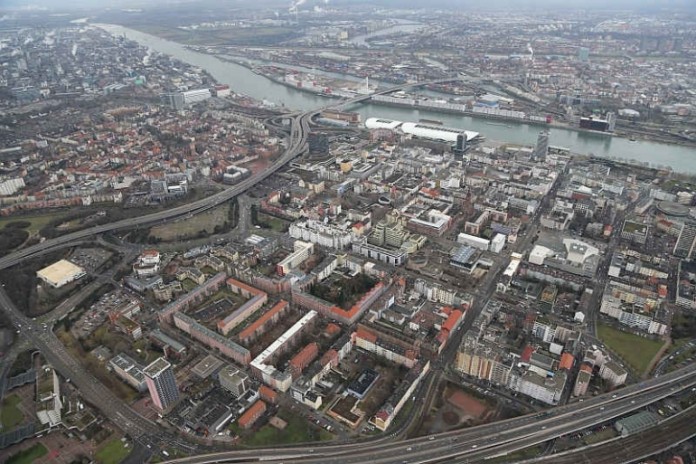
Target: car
{"x": 431, "y": 438}
{"x": 613, "y": 396}
{"x": 474, "y": 446}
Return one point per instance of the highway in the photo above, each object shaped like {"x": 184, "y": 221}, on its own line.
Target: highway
{"x": 57, "y": 355}
{"x": 476, "y": 443}
{"x": 624, "y": 450}
{"x": 480, "y": 442}
{"x": 299, "y": 132}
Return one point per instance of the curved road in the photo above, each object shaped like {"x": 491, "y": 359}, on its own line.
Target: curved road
{"x": 58, "y": 356}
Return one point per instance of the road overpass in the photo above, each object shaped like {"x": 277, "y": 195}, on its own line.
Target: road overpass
{"x": 478, "y": 443}
{"x": 54, "y": 351}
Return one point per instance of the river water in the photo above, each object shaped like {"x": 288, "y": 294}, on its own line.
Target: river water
{"x": 242, "y": 80}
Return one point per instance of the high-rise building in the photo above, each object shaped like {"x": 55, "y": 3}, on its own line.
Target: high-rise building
{"x": 542, "y": 145}
{"x": 460, "y": 146}
{"x": 161, "y": 383}
{"x": 173, "y": 99}
{"x": 686, "y": 242}
{"x": 583, "y": 54}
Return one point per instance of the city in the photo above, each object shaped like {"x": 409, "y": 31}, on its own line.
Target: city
{"x": 326, "y": 232}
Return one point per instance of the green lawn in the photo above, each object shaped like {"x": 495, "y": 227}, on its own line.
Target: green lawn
{"x": 274, "y": 223}
{"x": 602, "y": 435}
{"x": 10, "y": 415}
{"x": 28, "y": 455}
{"x": 112, "y": 452}
{"x": 37, "y": 222}
{"x": 297, "y": 431}
{"x": 636, "y": 351}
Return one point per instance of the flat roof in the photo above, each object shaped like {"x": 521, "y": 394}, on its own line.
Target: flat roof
{"x": 60, "y": 271}
{"x": 158, "y": 366}
{"x": 207, "y": 366}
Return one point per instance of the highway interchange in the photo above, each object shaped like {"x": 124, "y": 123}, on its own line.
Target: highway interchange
{"x": 475, "y": 444}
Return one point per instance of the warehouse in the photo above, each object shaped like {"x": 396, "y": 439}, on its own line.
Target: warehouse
{"x": 60, "y": 273}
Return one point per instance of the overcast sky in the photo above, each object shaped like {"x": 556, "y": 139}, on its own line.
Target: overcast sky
{"x": 478, "y": 4}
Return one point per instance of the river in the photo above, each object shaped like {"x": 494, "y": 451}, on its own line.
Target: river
{"x": 242, "y": 80}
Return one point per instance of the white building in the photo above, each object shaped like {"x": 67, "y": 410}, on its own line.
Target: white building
{"x": 11, "y": 186}
{"x": 473, "y": 241}
{"x": 497, "y": 243}
{"x": 547, "y": 389}
{"x": 303, "y": 250}
{"x": 194, "y": 96}
{"x": 60, "y": 273}
{"x": 613, "y": 373}
{"x": 321, "y": 234}
{"x": 48, "y": 409}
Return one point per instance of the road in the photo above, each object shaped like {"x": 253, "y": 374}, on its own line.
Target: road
{"x": 480, "y": 442}
{"x": 139, "y": 428}
{"x": 665, "y": 435}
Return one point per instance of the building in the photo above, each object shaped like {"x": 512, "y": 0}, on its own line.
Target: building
{"x": 583, "y": 54}
{"x": 233, "y": 380}
{"x": 49, "y": 405}
{"x": 390, "y": 409}
{"x": 257, "y": 298}
{"x": 542, "y": 146}
{"x": 636, "y": 423}
{"x": 583, "y": 380}
{"x": 482, "y": 360}
{"x": 129, "y": 371}
{"x": 161, "y": 383}
{"x": 212, "y": 339}
{"x": 267, "y": 373}
{"x": 387, "y": 346}
{"x": 60, "y": 273}
{"x": 252, "y": 414}
{"x": 547, "y": 388}
{"x": 613, "y": 373}
{"x": 195, "y": 296}
{"x": 268, "y": 394}
{"x": 473, "y": 241}
{"x": 267, "y": 319}
{"x": 302, "y": 251}
{"x": 170, "y": 347}
{"x": 207, "y": 367}
{"x": 301, "y": 360}
{"x": 365, "y": 381}
{"x": 395, "y": 257}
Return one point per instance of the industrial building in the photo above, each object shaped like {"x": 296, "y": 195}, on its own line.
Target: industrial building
{"x": 60, "y": 273}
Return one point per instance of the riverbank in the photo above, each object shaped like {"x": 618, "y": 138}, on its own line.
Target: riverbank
{"x": 482, "y": 116}
{"x": 243, "y": 81}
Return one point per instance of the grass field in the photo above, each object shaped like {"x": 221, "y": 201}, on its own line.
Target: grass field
{"x": 191, "y": 227}
{"x": 112, "y": 452}
{"x": 636, "y": 351}
{"x": 29, "y": 455}
{"x": 37, "y": 222}
{"x": 602, "y": 435}
{"x": 297, "y": 431}
{"x": 274, "y": 223}
{"x": 10, "y": 415}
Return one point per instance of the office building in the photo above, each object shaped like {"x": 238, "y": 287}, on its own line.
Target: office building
{"x": 542, "y": 146}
